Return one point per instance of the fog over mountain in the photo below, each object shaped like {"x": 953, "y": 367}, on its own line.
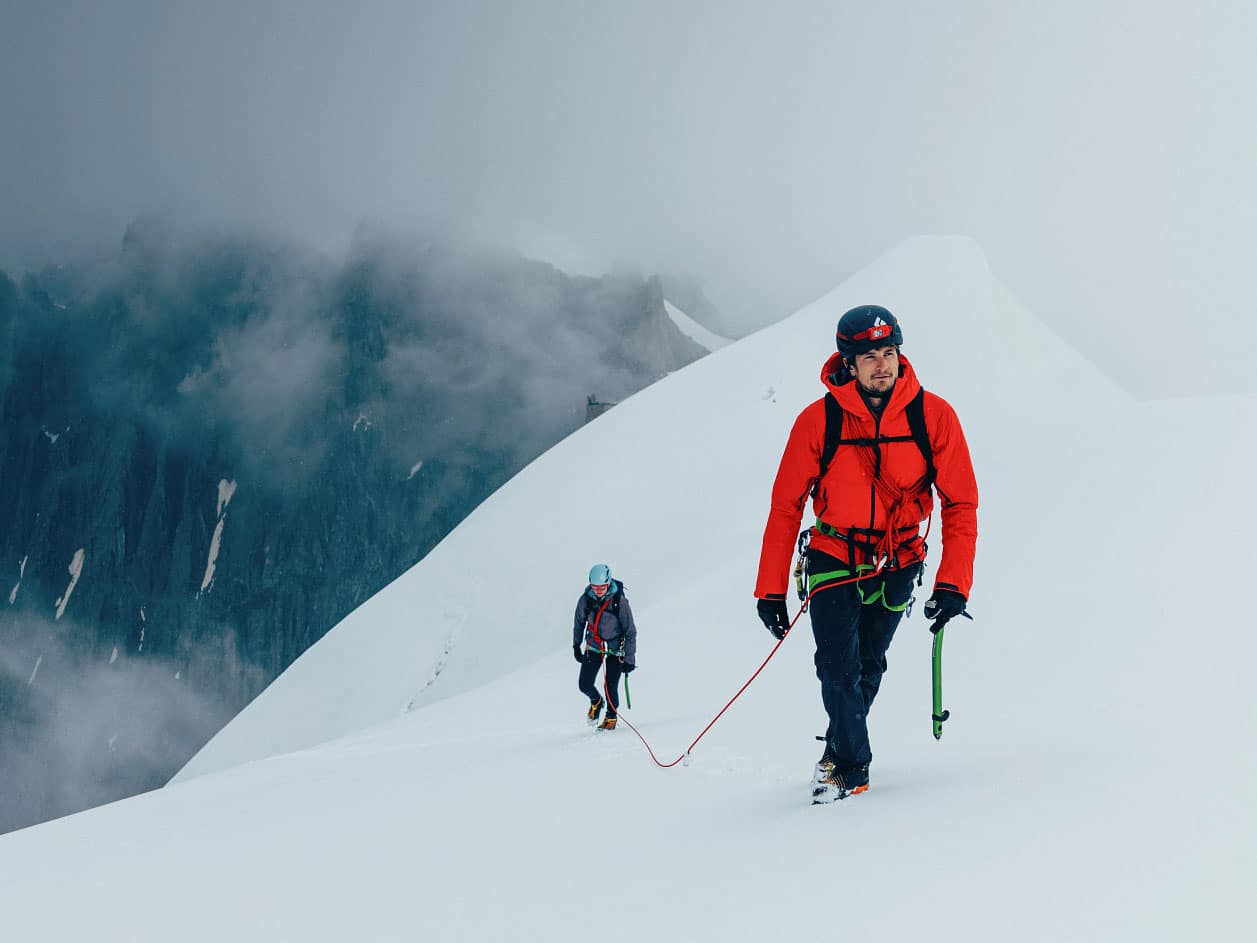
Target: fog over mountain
{"x": 377, "y": 256}
{"x": 212, "y": 450}
{"x": 1099, "y": 151}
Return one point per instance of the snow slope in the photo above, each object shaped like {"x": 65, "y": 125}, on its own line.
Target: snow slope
{"x": 693, "y": 330}
{"x": 1094, "y": 782}
{"x": 707, "y": 441}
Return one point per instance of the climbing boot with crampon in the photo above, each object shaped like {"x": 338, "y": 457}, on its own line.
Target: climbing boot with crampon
{"x": 595, "y": 708}
{"x": 838, "y": 784}
{"x": 608, "y": 723}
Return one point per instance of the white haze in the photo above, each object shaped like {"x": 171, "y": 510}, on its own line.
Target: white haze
{"x": 1101, "y": 152}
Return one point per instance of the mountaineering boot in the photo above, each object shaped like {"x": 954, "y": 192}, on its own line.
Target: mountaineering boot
{"x": 608, "y": 723}
{"x": 595, "y": 708}
{"x": 825, "y": 765}
{"x": 838, "y": 784}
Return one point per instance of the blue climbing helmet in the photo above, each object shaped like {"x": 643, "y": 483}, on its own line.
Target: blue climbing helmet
{"x": 599, "y": 574}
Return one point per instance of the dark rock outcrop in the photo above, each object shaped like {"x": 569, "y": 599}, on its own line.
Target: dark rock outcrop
{"x": 209, "y": 460}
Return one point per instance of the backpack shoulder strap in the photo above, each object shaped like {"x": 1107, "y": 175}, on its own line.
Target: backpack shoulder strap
{"x": 833, "y": 433}
{"x": 915, "y": 413}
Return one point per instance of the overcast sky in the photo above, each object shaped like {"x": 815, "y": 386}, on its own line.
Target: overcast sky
{"x": 1103, "y": 154}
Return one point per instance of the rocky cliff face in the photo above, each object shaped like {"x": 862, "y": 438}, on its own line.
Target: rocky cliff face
{"x": 212, "y": 454}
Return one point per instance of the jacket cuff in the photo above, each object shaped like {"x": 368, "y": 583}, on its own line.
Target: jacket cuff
{"x": 951, "y": 589}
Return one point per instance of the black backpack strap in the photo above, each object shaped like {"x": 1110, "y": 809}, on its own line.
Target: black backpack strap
{"x": 833, "y": 433}
{"x": 915, "y": 413}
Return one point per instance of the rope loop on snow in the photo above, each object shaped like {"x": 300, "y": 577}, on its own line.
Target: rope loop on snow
{"x": 684, "y": 758}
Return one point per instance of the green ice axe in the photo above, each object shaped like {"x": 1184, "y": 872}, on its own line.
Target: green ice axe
{"x": 939, "y": 714}
{"x": 628, "y": 698}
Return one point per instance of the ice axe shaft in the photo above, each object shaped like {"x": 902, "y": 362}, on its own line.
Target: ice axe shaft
{"x": 939, "y": 715}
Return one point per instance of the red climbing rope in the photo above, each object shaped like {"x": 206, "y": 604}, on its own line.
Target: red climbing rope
{"x": 802, "y": 609}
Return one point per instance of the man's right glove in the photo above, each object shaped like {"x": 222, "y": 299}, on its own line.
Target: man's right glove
{"x": 577, "y": 655}
{"x": 944, "y": 606}
{"x": 774, "y": 616}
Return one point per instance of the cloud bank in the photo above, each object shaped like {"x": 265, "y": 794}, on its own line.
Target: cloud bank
{"x": 1100, "y": 152}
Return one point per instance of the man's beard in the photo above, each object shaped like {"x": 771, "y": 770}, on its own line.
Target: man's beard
{"x": 877, "y": 394}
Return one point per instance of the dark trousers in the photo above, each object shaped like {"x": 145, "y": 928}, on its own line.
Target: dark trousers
{"x": 589, "y": 674}
{"x": 852, "y": 637}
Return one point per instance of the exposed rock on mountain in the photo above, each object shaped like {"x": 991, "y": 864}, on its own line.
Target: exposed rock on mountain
{"x": 213, "y": 454}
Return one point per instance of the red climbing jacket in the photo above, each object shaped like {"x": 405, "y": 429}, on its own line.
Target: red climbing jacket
{"x": 875, "y": 493}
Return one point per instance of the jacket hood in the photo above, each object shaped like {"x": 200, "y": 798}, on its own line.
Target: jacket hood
{"x": 847, "y": 392}
{"x": 611, "y": 591}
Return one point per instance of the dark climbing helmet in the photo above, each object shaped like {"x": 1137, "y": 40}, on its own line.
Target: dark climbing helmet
{"x": 866, "y": 328}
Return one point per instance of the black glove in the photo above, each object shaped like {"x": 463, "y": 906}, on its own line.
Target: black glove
{"x": 944, "y": 606}
{"x": 774, "y": 615}
{"x": 577, "y": 655}
{"x": 626, "y": 667}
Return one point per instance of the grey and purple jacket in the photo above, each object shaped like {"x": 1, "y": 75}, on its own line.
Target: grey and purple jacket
{"x": 606, "y": 625}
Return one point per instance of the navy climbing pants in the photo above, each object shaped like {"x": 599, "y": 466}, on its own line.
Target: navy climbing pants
{"x": 853, "y": 625}
{"x": 589, "y": 675}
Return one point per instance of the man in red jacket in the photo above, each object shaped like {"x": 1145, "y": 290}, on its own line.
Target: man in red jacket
{"x": 871, "y": 452}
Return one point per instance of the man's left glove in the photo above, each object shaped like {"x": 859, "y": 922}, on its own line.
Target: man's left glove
{"x": 773, "y": 614}
{"x": 626, "y": 667}
{"x": 944, "y": 606}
